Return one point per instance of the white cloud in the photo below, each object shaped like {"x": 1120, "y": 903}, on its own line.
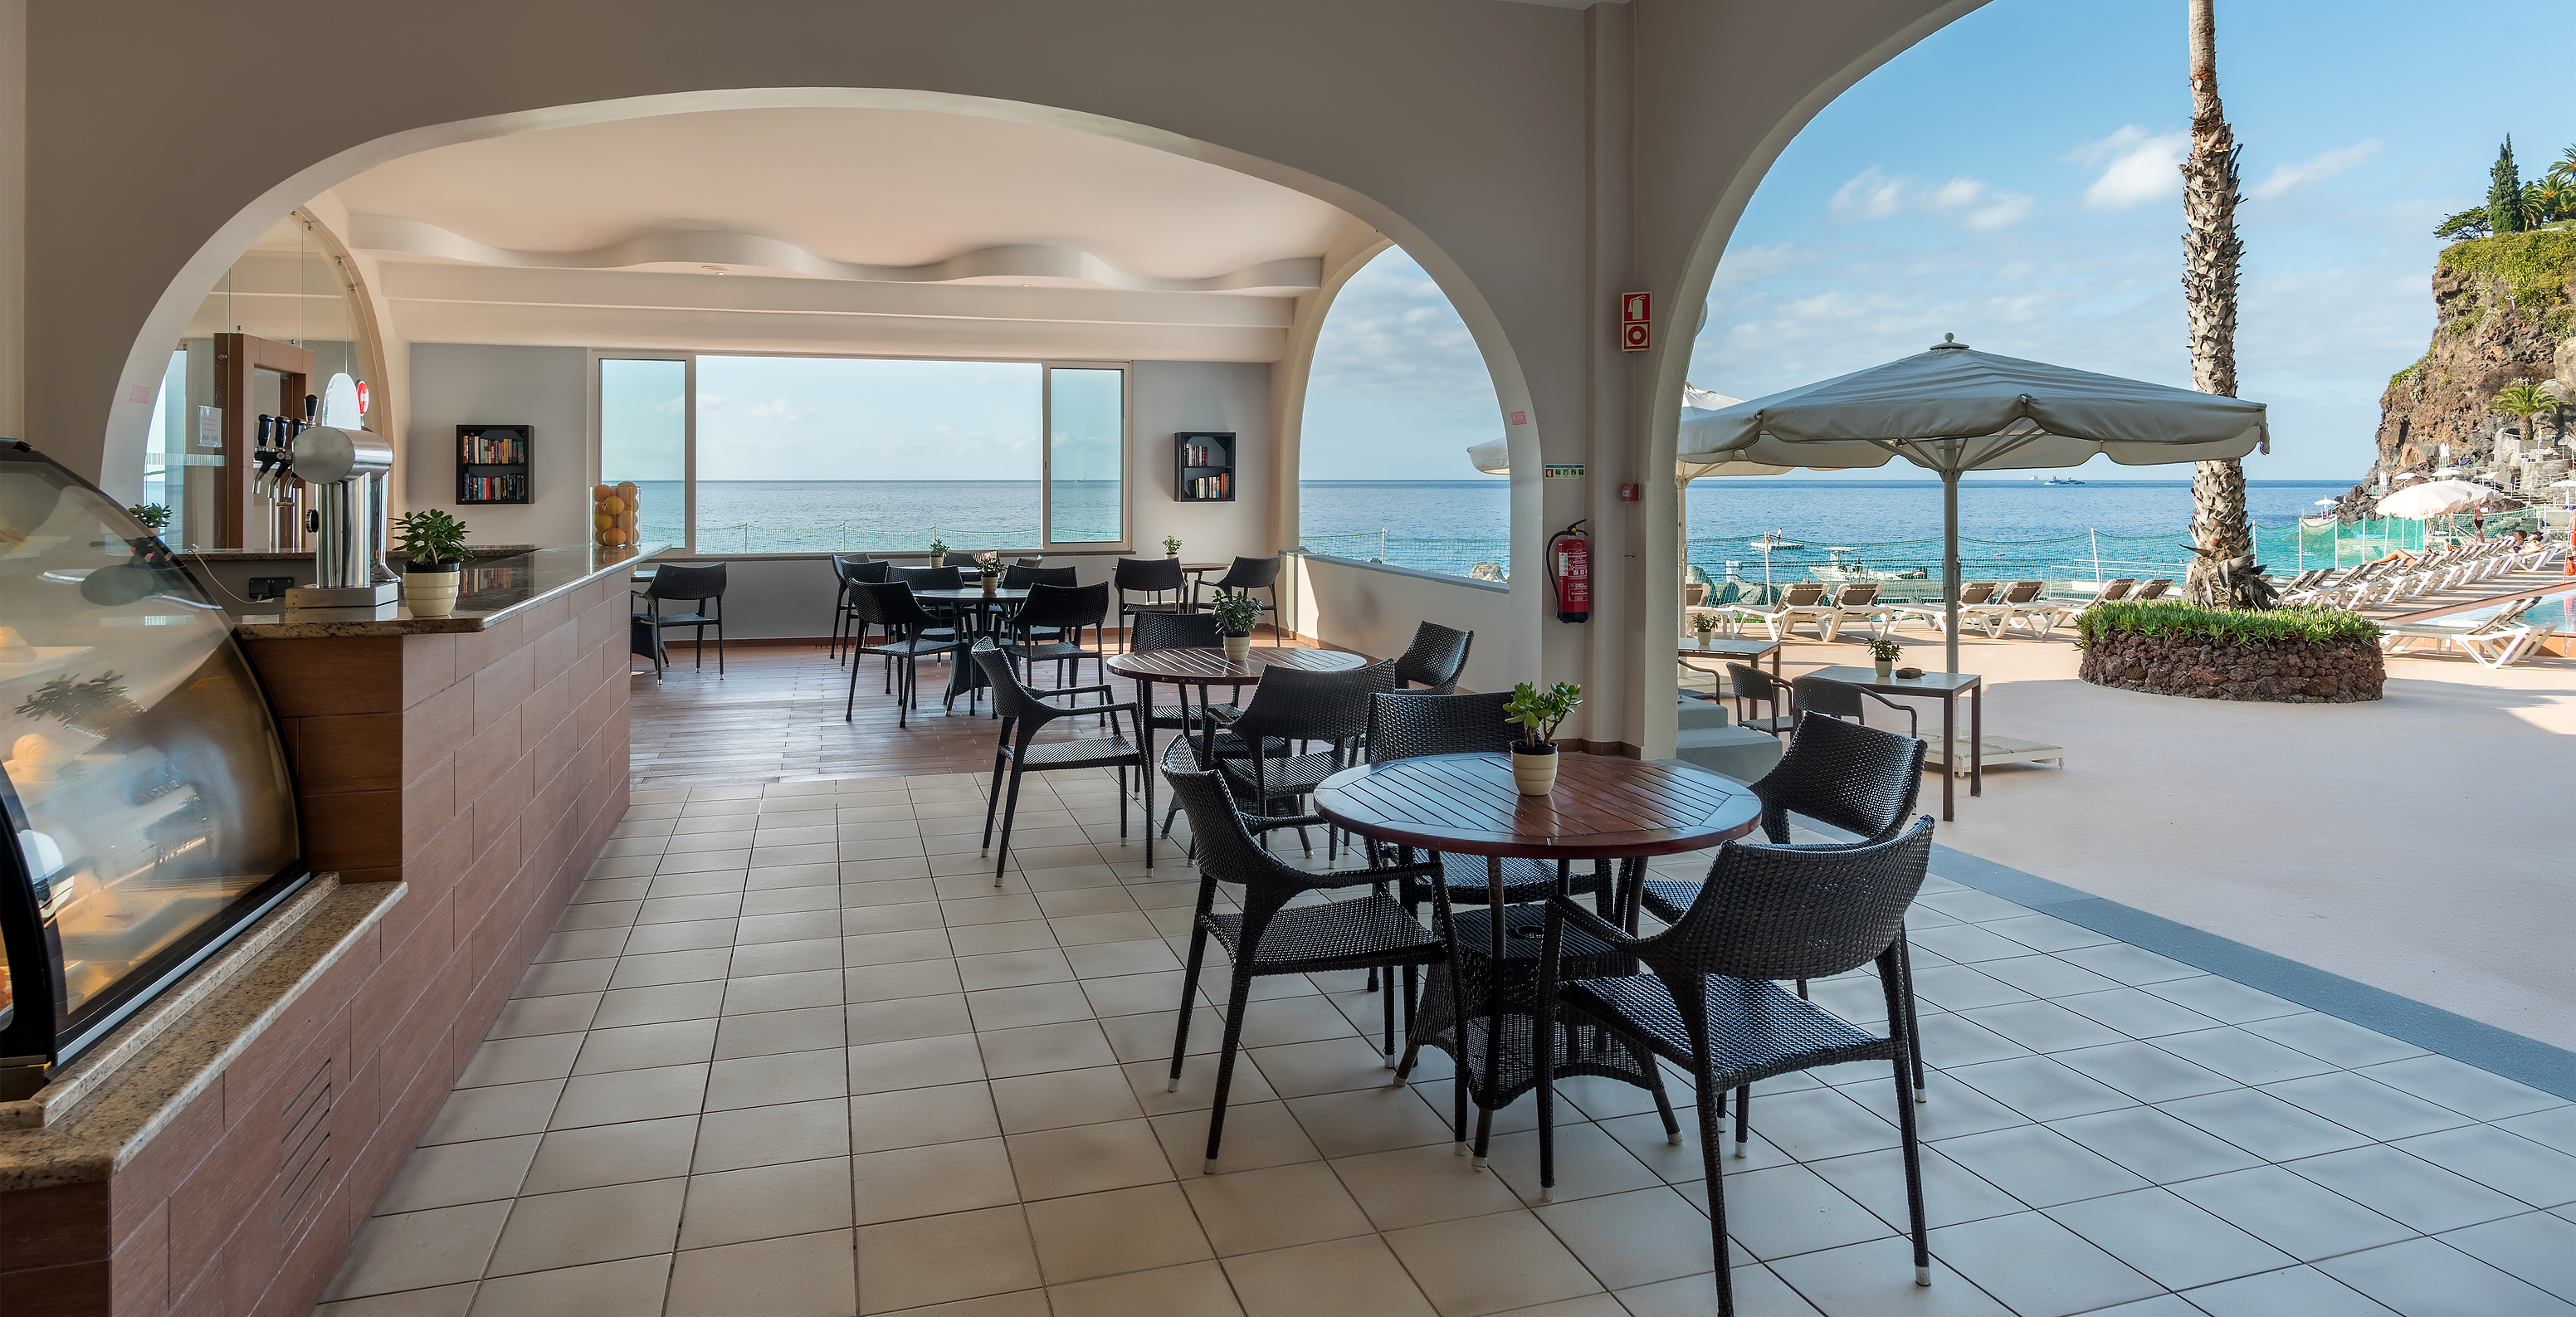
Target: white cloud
{"x": 2137, "y": 167}
{"x": 1873, "y": 194}
{"x": 2318, "y": 168}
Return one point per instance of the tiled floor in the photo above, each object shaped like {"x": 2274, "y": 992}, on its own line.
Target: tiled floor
{"x": 792, "y": 1054}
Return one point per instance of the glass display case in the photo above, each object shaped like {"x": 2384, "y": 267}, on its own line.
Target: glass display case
{"x": 146, "y": 791}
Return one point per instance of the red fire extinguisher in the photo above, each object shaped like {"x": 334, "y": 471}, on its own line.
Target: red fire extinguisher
{"x": 1569, "y": 570}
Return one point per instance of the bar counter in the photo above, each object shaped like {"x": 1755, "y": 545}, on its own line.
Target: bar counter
{"x": 501, "y": 582}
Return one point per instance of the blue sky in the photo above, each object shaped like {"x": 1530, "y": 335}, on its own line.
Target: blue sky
{"x": 2011, "y": 180}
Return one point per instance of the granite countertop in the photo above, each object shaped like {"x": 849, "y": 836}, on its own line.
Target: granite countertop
{"x": 306, "y": 555}
{"x": 495, "y": 588}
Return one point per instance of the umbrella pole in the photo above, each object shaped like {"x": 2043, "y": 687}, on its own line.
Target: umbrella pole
{"x": 1950, "y": 565}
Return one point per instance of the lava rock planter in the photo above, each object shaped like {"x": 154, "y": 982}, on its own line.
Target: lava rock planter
{"x": 2280, "y": 656}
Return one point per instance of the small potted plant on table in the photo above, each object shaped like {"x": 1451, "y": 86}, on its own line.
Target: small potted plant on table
{"x": 988, "y": 567}
{"x": 1171, "y": 546}
{"x": 1703, "y": 625}
{"x": 938, "y": 552}
{"x": 1236, "y": 615}
{"x": 1883, "y": 652}
{"x": 1538, "y": 712}
{"x": 432, "y": 544}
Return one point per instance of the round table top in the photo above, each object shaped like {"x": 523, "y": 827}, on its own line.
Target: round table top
{"x": 971, "y": 594}
{"x": 1602, "y": 808}
{"x": 1195, "y": 567}
{"x": 1210, "y": 666}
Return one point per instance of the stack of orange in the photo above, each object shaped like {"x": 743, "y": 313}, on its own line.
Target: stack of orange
{"x": 613, "y": 515}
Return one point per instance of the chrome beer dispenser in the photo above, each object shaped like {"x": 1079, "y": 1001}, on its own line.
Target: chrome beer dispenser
{"x": 348, "y": 471}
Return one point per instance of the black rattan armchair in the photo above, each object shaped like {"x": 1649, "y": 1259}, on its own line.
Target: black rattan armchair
{"x": 1293, "y": 705}
{"x": 700, "y": 586}
{"x": 1268, "y": 936}
{"x": 1024, "y": 714}
{"x": 1049, "y": 626}
{"x": 1153, "y": 578}
{"x": 911, "y": 635}
{"x": 1248, "y": 575}
{"x": 1435, "y": 658}
{"x": 1709, "y": 1000}
{"x": 1841, "y": 699}
{"x": 1754, "y": 686}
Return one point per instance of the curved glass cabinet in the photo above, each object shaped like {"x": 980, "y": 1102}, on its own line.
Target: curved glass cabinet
{"x": 147, "y": 794}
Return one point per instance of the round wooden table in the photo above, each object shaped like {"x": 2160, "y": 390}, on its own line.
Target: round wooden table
{"x": 1185, "y": 668}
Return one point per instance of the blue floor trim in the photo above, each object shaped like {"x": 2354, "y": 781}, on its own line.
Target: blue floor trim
{"x": 2498, "y": 1051}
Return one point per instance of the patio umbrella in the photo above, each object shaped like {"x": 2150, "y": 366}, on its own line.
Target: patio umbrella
{"x": 1952, "y": 409}
{"x": 2433, "y": 498}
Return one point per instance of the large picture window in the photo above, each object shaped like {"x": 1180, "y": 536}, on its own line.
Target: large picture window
{"x": 753, "y": 454}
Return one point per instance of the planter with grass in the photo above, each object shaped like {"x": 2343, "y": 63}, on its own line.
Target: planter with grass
{"x": 1171, "y": 546}
{"x": 2278, "y": 655}
{"x": 1704, "y": 625}
{"x": 1538, "y": 712}
{"x": 1883, "y": 654}
{"x": 1236, "y": 614}
{"x": 938, "y": 553}
{"x": 432, "y": 545}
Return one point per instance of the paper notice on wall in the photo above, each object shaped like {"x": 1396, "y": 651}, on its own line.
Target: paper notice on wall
{"x": 210, "y": 428}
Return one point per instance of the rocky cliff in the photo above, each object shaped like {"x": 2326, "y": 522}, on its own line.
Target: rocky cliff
{"x": 2503, "y": 313}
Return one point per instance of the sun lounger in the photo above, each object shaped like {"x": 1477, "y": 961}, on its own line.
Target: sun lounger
{"x": 2501, "y": 640}
{"x": 1998, "y": 616}
{"x": 1858, "y": 602}
{"x": 1797, "y": 601}
{"x": 2154, "y": 589}
{"x": 1973, "y": 595}
{"x": 2049, "y": 616}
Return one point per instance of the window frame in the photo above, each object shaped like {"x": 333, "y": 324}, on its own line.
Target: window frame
{"x": 1047, "y": 366}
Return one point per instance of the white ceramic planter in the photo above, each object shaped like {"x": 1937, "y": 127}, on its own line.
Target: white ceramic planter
{"x": 1238, "y": 649}
{"x": 1885, "y": 668}
{"x": 1535, "y": 775}
{"x": 431, "y": 593}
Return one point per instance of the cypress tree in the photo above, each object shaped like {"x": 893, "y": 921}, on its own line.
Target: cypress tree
{"x": 2504, "y": 192}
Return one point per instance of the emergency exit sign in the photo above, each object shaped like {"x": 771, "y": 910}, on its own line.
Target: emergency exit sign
{"x": 1565, "y": 471}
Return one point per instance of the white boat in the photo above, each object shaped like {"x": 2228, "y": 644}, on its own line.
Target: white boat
{"x": 1837, "y": 568}
{"x": 1774, "y": 540}
{"x": 2056, "y": 480}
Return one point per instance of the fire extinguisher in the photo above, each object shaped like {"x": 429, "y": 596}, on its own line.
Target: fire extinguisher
{"x": 1569, "y": 571}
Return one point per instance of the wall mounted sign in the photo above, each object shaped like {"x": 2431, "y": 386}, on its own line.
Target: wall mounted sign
{"x": 210, "y": 428}
{"x": 1565, "y": 471}
{"x": 1636, "y": 322}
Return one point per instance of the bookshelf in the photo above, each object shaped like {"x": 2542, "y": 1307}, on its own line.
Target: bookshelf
{"x": 1203, "y": 468}
{"x": 492, "y": 463}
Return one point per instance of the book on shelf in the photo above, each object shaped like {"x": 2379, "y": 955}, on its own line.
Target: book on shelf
{"x": 492, "y": 448}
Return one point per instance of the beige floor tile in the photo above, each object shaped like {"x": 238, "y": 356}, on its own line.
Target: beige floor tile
{"x": 1013, "y": 969}
{"x": 1151, "y": 1082}
{"x": 1134, "y": 994}
{"x": 520, "y": 1060}
{"x": 813, "y": 1275}
{"x": 1062, "y": 1098}
{"x": 911, "y": 889}
{"x": 597, "y": 1155}
{"x": 1086, "y": 930}
{"x": 589, "y": 1225}
{"x": 910, "y": 917}
{"x": 1301, "y": 1019}
{"x": 920, "y": 978}
{"x": 1346, "y": 1277}
{"x": 526, "y": 1017}
{"x": 588, "y": 944}
{"x": 866, "y": 949}
{"x": 555, "y": 978}
{"x": 414, "y": 1250}
{"x": 1257, "y": 1134}
{"x": 1145, "y": 1037}
{"x": 1107, "y": 899}
{"x": 915, "y": 1063}
{"x": 601, "y": 1289}
{"x": 794, "y": 926}
{"x": 766, "y": 1202}
{"x": 1589, "y": 1163}
{"x": 453, "y": 1174}
{"x": 647, "y": 1046}
{"x": 673, "y": 1001}
{"x": 1083, "y": 1159}
{"x": 629, "y": 1095}
{"x": 953, "y": 1259}
{"x": 1038, "y": 1003}
{"x": 707, "y": 905}
{"x": 1198, "y": 1289}
{"x": 1008, "y": 908}
{"x": 649, "y": 970}
{"x": 771, "y": 1135}
{"x": 912, "y": 1117}
{"x": 659, "y": 938}
{"x": 729, "y": 860}
{"x": 993, "y": 939}
{"x": 784, "y": 992}
{"x": 1489, "y": 1264}
{"x": 1370, "y": 1120}
{"x": 785, "y": 900}
{"x": 1333, "y": 1066}
{"x": 1040, "y": 1048}
{"x": 757, "y": 1081}
{"x": 1062, "y": 878}
{"x": 1603, "y": 1305}
{"x": 901, "y": 1183}
{"x": 494, "y": 1111}
{"x": 1275, "y": 1207}
{"x": 1635, "y": 1238}
{"x": 784, "y": 876}
{"x": 1418, "y": 1186}
{"x": 909, "y": 1017}
{"x": 1121, "y": 1230}
{"x": 886, "y": 861}
{"x": 442, "y": 1301}
{"x": 772, "y": 1032}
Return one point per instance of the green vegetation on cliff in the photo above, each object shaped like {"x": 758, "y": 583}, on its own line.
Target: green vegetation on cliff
{"x": 2534, "y": 268}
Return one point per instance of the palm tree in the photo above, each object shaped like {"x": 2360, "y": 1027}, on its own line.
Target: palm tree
{"x": 2524, "y": 399}
{"x": 2211, "y": 254}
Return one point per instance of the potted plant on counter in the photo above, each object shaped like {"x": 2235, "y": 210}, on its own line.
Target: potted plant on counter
{"x": 938, "y": 552}
{"x": 1703, "y": 625}
{"x": 1884, "y": 652}
{"x": 1171, "y": 546}
{"x": 1538, "y": 712}
{"x": 432, "y": 544}
{"x": 1236, "y": 614}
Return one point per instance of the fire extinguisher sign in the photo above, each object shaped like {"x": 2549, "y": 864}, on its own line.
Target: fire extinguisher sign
{"x": 1636, "y": 322}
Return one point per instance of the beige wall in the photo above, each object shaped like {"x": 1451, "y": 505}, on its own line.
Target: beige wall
{"x": 1373, "y": 609}
{"x": 1537, "y": 161}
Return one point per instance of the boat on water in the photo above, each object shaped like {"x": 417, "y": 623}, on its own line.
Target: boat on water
{"x": 2056, "y": 480}
{"x": 1837, "y": 567}
{"x": 1774, "y": 541}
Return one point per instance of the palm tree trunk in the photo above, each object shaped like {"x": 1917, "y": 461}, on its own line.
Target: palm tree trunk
{"x": 2211, "y": 254}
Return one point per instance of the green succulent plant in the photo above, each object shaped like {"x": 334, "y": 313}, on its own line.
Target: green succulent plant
{"x": 1540, "y": 711}
{"x": 430, "y": 536}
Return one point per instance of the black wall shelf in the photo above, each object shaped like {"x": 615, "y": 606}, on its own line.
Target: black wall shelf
{"x": 493, "y": 462}
{"x": 1203, "y": 467}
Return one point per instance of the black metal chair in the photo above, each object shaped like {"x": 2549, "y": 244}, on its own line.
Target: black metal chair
{"x": 1248, "y": 575}
{"x": 1295, "y": 706}
{"x": 1269, "y": 936}
{"x": 1028, "y": 562}
{"x": 1841, "y": 699}
{"x": 643, "y": 639}
{"x": 847, "y": 570}
{"x": 1754, "y": 686}
{"x": 1024, "y": 714}
{"x": 1154, "y": 578}
{"x": 1435, "y": 658}
{"x": 698, "y": 586}
{"x": 1049, "y": 627}
{"x": 1844, "y": 775}
{"x": 1021, "y": 575}
{"x": 911, "y": 633}
{"x": 1709, "y": 1000}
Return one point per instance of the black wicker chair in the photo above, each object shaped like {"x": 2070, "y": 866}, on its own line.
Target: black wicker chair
{"x": 1754, "y": 686}
{"x": 1843, "y": 775}
{"x": 1709, "y": 1000}
{"x": 1841, "y": 699}
{"x": 1049, "y": 626}
{"x": 1153, "y": 578}
{"x": 1269, "y": 937}
{"x": 1435, "y": 658}
{"x": 1248, "y": 575}
{"x": 699, "y": 586}
{"x": 1024, "y": 714}
{"x": 1025, "y": 573}
{"x": 911, "y": 635}
{"x": 1292, "y": 705}
{"x": 849, "y": 569}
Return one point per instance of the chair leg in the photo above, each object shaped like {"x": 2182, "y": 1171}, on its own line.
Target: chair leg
{"x": 1389, "y": 1052}
{"x": 1743, "y": 1120}
{"x": 1913, "y": 1179}
{"x": 849, "y": 708}
{"x": 1235, "y": 1003}
{"x": 1913, "y": 1030}
{"x": 1002, "y": 853}
{"x": 1710, "y": 1096}
{"x": 993, "y": 797}
{"x": 720, "y": 649}
{"x": 1189, "y": 1001}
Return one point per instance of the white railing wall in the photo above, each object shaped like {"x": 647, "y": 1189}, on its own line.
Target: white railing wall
{"x": 1372, "y": 608}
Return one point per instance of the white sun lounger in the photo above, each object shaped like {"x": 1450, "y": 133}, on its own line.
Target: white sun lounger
{"x": 2499, "y": 641}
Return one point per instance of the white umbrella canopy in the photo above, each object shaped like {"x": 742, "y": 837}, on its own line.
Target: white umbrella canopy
{"x": 2433, "y": 498}
{"x": 1953, "y": 409}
